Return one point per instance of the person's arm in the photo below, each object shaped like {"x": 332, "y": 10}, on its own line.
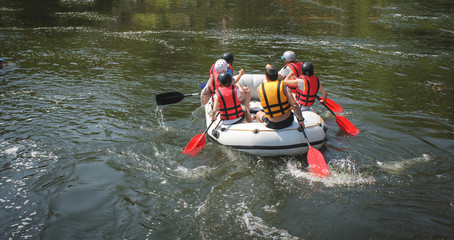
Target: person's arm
{"x": 258, "y": 91}
{"x": 237, "y": 78}
{"x": 324, "y": 92}
{"x": 242, "y": 91}
{"x": 295, "y": 106}
{"x": 205, "y": 94}
{"x": 291, "y": 82}
{"x": 284, "y": 72}
{"x": 215, "y": 109}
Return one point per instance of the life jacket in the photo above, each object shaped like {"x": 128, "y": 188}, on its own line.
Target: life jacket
{"x": 229, "y": 105}
{"x": 273, "y": 99}
{"x": 214, "y": 82}
{"x": 311, "y": 86}
{"x": 297, "y": 69}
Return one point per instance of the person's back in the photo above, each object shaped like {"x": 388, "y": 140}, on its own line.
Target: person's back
{"x": 277, "y": 102}
{"x": 228, "y": 99}
{"x": 308, "y": 87}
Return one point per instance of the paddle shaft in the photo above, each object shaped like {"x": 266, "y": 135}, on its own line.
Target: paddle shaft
{"x": 329, "y": 109}
{"x": 305, "y": 136}
{"x": 217, "y": 114}
{"x": 192, "y": 94}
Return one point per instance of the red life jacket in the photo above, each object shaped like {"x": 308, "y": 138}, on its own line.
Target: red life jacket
{"x": 311, "y": 86}
{"x": 214, "y": 82}
{"x": 229, "y": 105}
{"x": 297, "y": 69}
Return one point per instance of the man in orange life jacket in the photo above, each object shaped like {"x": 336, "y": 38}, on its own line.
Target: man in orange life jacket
{"x": 277, "y": 101}
{"x": 291, "y": 67}
{"x": 209, "y": 90}
{"x": 308, "y": 86}
{"x": 228, "y": 99}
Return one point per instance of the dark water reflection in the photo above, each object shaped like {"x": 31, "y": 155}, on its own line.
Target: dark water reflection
{"x": 86, "y": 152}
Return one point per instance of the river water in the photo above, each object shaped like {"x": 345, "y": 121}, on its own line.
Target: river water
{"x": 86, "y": 153}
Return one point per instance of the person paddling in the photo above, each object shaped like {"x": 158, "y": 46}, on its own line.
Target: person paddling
{"x": 308, "y": 85}
{"x": 291, "y": 67}
{"x": 228, "y": 100}
{"x": 277, "y": 102}
{"x": 213, "y": 83}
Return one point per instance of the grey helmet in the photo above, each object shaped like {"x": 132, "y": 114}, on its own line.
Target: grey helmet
{"x": 289, "y": 56}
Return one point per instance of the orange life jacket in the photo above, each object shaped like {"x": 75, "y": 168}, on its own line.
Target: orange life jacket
{"x": 297, "y": 69}
{"x": 273, "y": 99}
{"x": 311, "y": 86}
{"x": 214, "y": 82}
{"x": 229, "y": 105}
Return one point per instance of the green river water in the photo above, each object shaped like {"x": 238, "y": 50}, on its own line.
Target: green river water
{"x": 86, "y": 153}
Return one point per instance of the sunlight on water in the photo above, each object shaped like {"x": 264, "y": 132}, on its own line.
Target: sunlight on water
{"x": 25, "y": 162}
{"x": 93, "y": 16}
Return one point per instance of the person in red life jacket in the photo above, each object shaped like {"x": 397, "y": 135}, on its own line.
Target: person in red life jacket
{"x": 228, "y": 100}
{"x": 277, "y": 101}
{"x": 291, "y": 67}
{"x": 308, "y": 85}
{"x": 228, "y": 57}
{"x": 210, "y": 87}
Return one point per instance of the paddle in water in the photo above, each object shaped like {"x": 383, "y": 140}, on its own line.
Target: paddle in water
{"x": 315, "y": 159}
{"x": 172, "y": 97}
{"x": 343, "y": 123}
{"x": 197, "y": 142}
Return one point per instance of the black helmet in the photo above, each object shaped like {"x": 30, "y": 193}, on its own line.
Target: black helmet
{"x": 308, "y": 69}
{"x": 225, "y": 79}
{"x": 228, "y": 57}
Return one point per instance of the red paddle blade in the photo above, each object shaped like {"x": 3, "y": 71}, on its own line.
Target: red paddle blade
{"x": 195, "y": 145}
{"x": 346, "y": 125}
{"x": 332, "y": 105}
{"x": 317, "y": 162}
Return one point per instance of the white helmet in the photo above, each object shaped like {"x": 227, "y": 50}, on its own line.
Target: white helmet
{"x": 289, "y": 56}
{"x": 221, "y": 66}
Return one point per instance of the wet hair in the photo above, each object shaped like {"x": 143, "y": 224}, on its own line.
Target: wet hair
{"x": 272, "y": 74}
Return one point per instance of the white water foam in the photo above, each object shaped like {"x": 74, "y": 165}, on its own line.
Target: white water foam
{"x": 343, "y": 172}
{"x": 198, "y": 172}
{"x": 402, "y": 165}
{"x": 257, "y": 227}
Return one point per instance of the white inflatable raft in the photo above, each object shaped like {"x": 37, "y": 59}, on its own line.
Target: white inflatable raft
{"x": 255, "y": 138}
